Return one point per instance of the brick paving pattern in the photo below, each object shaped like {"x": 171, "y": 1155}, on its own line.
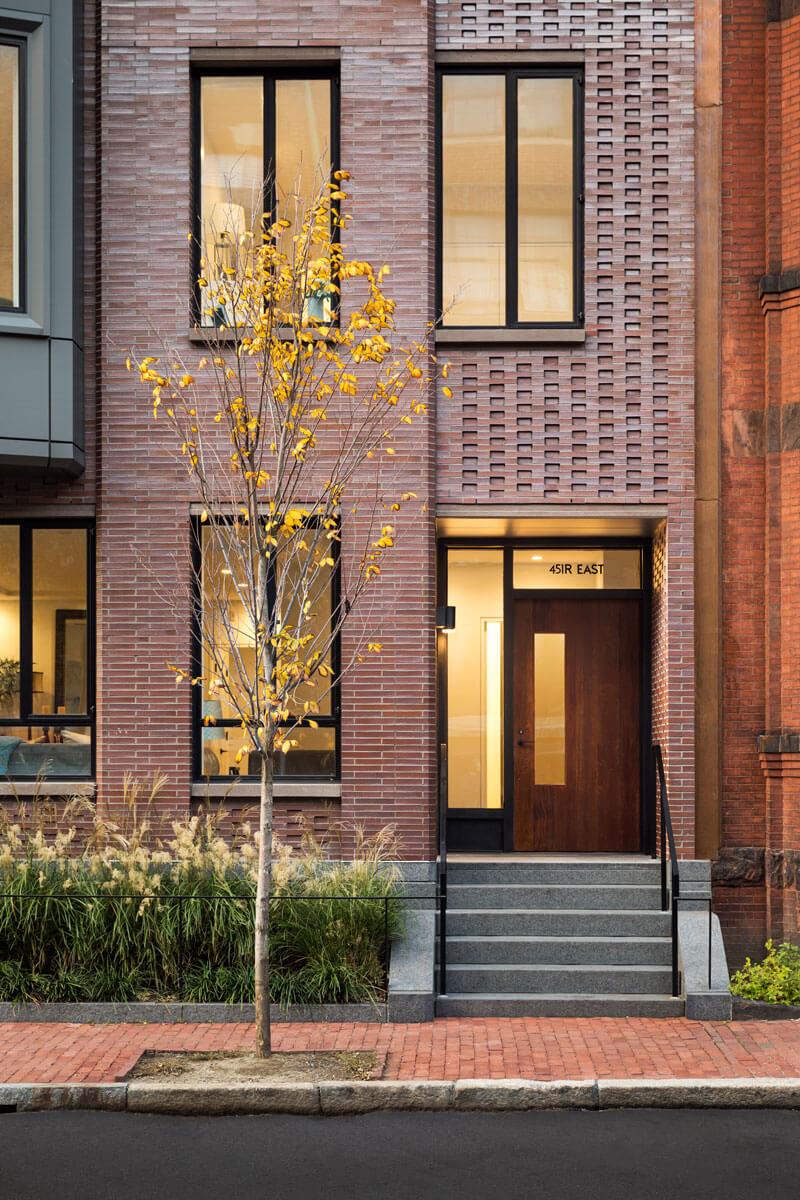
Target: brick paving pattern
{"x": 510, "y": 1048}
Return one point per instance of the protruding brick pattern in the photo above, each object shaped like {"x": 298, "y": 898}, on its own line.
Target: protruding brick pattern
{"x": 611, "y": 420}
{"x": 608, "y": 421}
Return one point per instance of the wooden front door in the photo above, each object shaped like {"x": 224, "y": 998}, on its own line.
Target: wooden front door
{"x": 582, "y": 734}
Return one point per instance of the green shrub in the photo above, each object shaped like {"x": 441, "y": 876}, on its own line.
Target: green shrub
{"x": 69, "y": 931}
{"x": 776, "y": 978}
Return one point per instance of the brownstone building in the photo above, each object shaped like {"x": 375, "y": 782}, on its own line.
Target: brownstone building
{"x": 547, "y": 179}
{"x": 757, "y": 869}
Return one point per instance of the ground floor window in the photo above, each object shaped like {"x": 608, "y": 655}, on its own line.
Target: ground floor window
{"x": 226, "y": 608}
{"x": 46, "y": 650}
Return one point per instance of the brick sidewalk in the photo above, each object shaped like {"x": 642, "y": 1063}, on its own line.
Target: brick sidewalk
{"x": 452, "y": 1048}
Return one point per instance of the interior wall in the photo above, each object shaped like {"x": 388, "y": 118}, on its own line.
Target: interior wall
{"x": 475, "y": 588}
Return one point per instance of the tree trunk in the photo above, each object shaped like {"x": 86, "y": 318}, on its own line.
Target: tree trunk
{"x": 263, "y": 1029}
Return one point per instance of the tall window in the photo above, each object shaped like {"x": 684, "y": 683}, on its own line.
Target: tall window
{"x": 11, "y": 64}
{"x": 46, "y": 657}
{"x": 264, "y": 138}
{"x": 226, "y": 610}
{"x": 510, "y": 201}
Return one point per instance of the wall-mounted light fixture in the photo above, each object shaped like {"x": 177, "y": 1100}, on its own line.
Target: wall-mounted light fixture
{"x": 446, "y": 617}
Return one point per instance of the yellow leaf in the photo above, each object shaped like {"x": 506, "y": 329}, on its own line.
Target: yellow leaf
{"x": 447, "y": 392}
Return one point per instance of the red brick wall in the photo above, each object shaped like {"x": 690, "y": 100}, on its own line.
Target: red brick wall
{"x": 760, "y": 476}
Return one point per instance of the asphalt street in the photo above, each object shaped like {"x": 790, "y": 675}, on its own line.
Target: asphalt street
{"x": 616, "y": 1155}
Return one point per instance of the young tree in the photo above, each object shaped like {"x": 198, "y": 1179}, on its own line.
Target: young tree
{"x": 288, "y": 425}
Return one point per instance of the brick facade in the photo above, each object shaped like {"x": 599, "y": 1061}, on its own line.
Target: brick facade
{"x": 756, "y": 872}
{"x": 605, "y": 422}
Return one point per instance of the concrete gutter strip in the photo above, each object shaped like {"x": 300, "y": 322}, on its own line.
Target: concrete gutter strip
{"x": 339, "y": 1097}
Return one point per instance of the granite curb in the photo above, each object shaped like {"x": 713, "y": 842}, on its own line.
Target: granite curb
{"x": 338, "y": 1098}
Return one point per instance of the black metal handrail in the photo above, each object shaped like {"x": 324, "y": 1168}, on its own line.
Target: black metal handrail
{"x": 668, "y": 841}
{"x": 441, "y": 871}
{"x": 225, "y": 898}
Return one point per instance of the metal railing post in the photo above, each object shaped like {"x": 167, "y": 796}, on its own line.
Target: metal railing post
{"x": 386, "y": 945}
{"x": 442, "y": 888}
{"x": 668, "y": 839}
{"x": 180, "y": 949}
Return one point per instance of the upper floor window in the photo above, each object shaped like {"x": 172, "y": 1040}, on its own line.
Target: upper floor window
{"x": 264, "y": 137}
{"x": 46, "y": 659}
{"x": 511, "y": 199}
{"x": 11, "y": 66}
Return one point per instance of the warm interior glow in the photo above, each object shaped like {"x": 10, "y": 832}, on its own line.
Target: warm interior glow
{"x": 475, "y": 679}
{"x": 578, "y": 569}
{"x": 474, "y": 199}
{"x": 492, "y": 670}
{"x": 302, "y": 147}
{"x": 228, "y": 601}
{"x": 59, "y": 620}
{"x": 545, "y": 199}
{"x": 549, "y": 709}
{"x": 232, "y": 157}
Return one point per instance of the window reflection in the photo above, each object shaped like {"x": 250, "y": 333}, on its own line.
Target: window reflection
{"x": 492, "y": 126}
{"x": 229, "y": 623}
{"x": 49, "y": 673}
{"x": 232, "y": 177}
{"x": 59, "y": 621}
{"x": 545, "y": 199}
{"x": 9, "y": 621}
{"x": 9, "y": 176}
{"x": 47, "y": 750}
{"x": 474, "y": 199}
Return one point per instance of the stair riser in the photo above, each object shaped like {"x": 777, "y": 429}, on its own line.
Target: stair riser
{"x": 543, "y": 873}
{"x": 540, "y": 897}
{"x": 612, "y": 952}
{"x": 501, "y": 923}
{"x": 557, "y": 1006}
{"x": 655, "y": 981}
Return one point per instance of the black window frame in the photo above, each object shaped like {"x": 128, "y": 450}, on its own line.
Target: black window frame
{"x": 21, "y": 45}
{"x": 324, "y": 721}
{"x": 512, "y": 75}
{"x": 27, "y": 526}
{"x": 269, "y": 74}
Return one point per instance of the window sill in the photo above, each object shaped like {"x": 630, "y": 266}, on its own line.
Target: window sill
{"x": 45, "y": 787}
{"x": 476, "y": 336}
{"x": 20, "y": 322}
{"x": 209, "y": 335}
{"x": 307, "y": 790}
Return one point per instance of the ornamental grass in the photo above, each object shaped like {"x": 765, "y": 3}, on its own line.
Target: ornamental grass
{"x": 125, "y": 911}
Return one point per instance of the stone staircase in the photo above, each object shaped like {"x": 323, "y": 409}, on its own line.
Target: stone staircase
{"x": 550, "y": 937}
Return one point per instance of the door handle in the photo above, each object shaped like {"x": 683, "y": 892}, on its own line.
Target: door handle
{"x": 521, "y": 741}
